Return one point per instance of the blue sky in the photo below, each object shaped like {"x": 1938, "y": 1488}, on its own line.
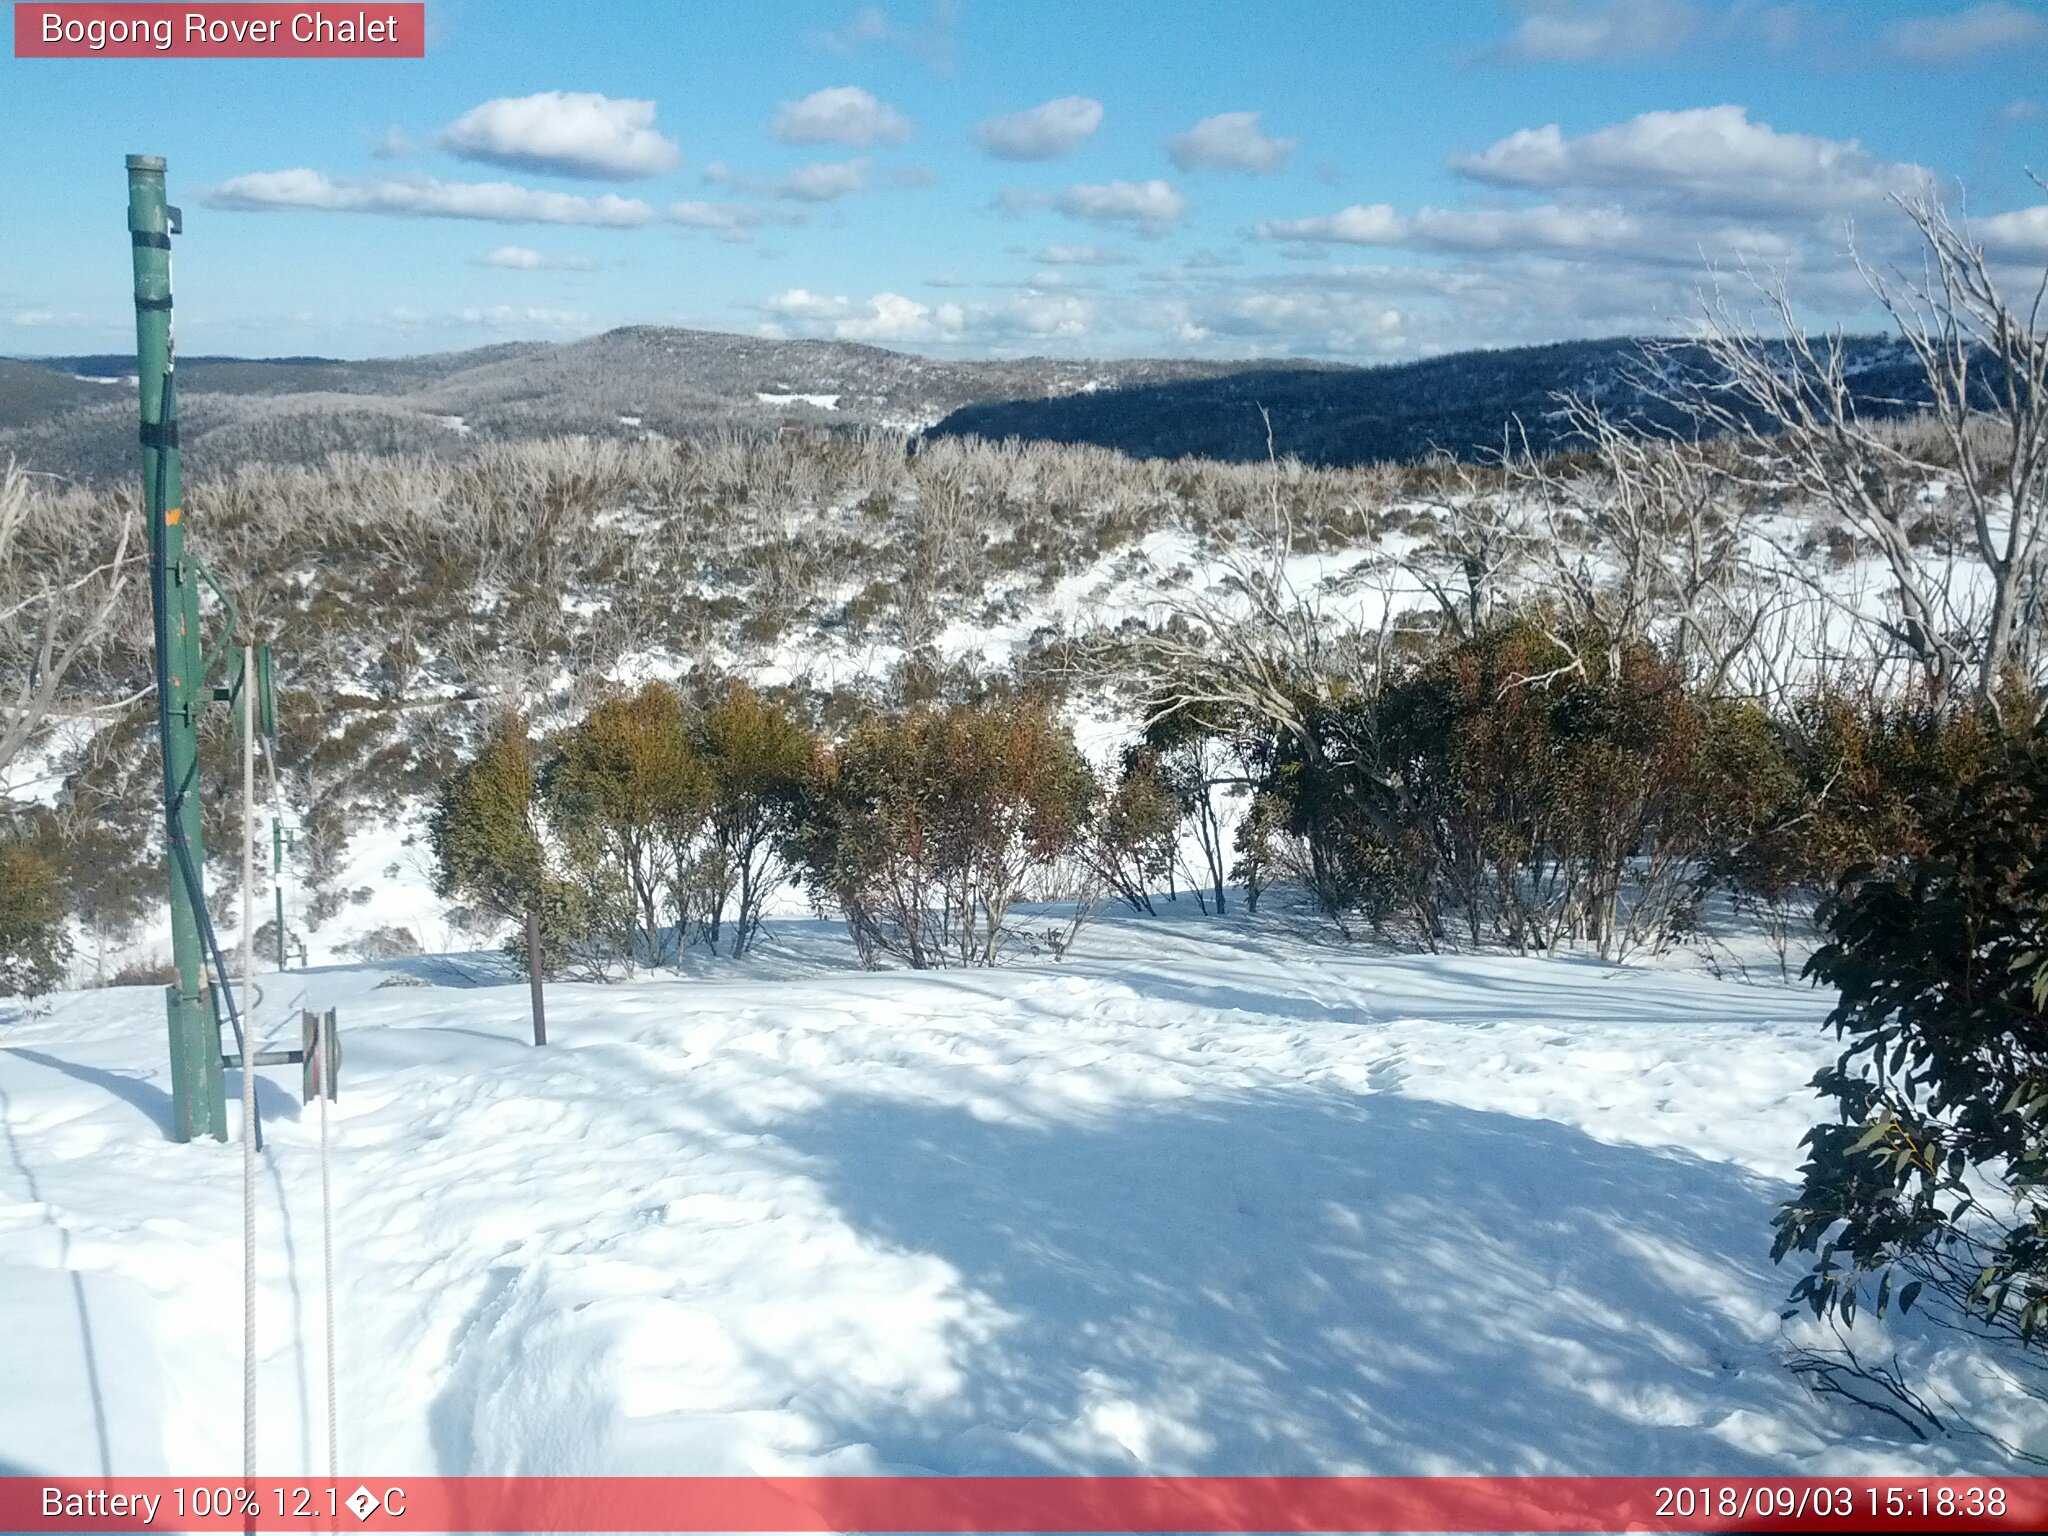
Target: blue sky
{"x": 1357, "y": 179}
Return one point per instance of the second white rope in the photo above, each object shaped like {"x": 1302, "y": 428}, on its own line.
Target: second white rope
{"x": 327, "y": 1249}
{"x": 248, "y": 1064}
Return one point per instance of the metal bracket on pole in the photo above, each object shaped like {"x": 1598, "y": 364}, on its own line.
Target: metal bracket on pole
{"x": 198, "y": 1091}
{"x": 322, "y": 1055}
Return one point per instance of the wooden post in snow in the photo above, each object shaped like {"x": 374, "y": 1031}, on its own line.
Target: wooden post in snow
{"x": 540, "y": 1010}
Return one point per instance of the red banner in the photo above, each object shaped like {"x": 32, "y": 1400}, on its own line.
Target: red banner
{"x": 235, "y": 31}
{"x": 1027, "y": 1504}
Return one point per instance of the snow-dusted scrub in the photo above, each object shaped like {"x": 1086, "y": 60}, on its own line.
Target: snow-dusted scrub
{"x": 411, "y": 598}
{"x": 1579, "y": 691}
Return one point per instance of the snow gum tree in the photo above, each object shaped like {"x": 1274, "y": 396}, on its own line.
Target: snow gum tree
{"x": 1198, "y": 761}
{"x": 757, "y": 760}
{"x": 1968, "y": 608}
{"x": 1132, "y": 844}
{"x": 488, "y": 849}
{"x": 630, "y": 795}
{"x": 927, "y": 827}
{"x": 63, "y": 580}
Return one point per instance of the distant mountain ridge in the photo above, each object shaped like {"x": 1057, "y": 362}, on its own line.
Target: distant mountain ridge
{"x": 73, "y": 415}
{"x": 1461, "y": 404}
{"x": 637, "y": 378}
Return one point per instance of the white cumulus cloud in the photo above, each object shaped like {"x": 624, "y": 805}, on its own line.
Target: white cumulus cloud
{"x": 1040, "y": 316}
{"x": 564, "y": 133}
{"x": 840, "y": 114}
{"x": 1153, "y": 205}
{"x": 892, "y": 319}
{"x": 1449, "y": 229}
{"x": 819, "y": 182}
{"x": 822, "y": 181}
{"x": 424, "y": 197}
{"x": 1957, "y": 36}
{"x": 884, "y": 318}
{"x": 1580, "y": 31}
{"x": 802, "y": 304}
{"x": 1712, "y": 155}
{"x": 1043, "y": 132}
{"x": 1229, "y": 141}
{"x": 517, "y": 258}
{"x": 2021, "y": 235}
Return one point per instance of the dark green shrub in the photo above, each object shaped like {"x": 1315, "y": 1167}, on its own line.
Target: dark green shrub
{"x": 35, "y": 945}
{"x": 1933, "y": 1170}
{"x": 1517, "y": 787}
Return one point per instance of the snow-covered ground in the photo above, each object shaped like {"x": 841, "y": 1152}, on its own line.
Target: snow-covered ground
{"x": 1205, "y": 1197}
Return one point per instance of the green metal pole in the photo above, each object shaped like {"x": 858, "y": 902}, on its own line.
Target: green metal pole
{"x": 198, "y": 1104}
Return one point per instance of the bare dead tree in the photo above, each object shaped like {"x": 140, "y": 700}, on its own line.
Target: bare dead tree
{"x": 1647, "y": 542}
{"x": 1951, "y": 321}
{"x": 1479, "y": 545}
{"x": 1255, "y": 645}
{"x": 1792, "y": 402}
{"x": 57, "y": 603}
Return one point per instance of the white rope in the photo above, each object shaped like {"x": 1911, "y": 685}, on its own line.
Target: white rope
{"x": 319, "y": 1067}
{"x": 327, "y": 1251}
{"x": 248, "y": 1064}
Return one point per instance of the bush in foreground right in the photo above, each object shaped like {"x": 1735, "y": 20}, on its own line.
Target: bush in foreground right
{"x": 1934, "y": 1171}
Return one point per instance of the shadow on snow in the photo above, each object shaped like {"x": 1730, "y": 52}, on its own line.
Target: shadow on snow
{"x": 1316, "y": 1283}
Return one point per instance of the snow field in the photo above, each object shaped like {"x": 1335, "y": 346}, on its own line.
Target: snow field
{"x": 1207, "y": 1197}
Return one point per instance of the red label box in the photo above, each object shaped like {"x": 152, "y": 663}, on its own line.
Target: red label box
{"x": 1046, "y": 1506}
{"x": 366, "y": 29}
